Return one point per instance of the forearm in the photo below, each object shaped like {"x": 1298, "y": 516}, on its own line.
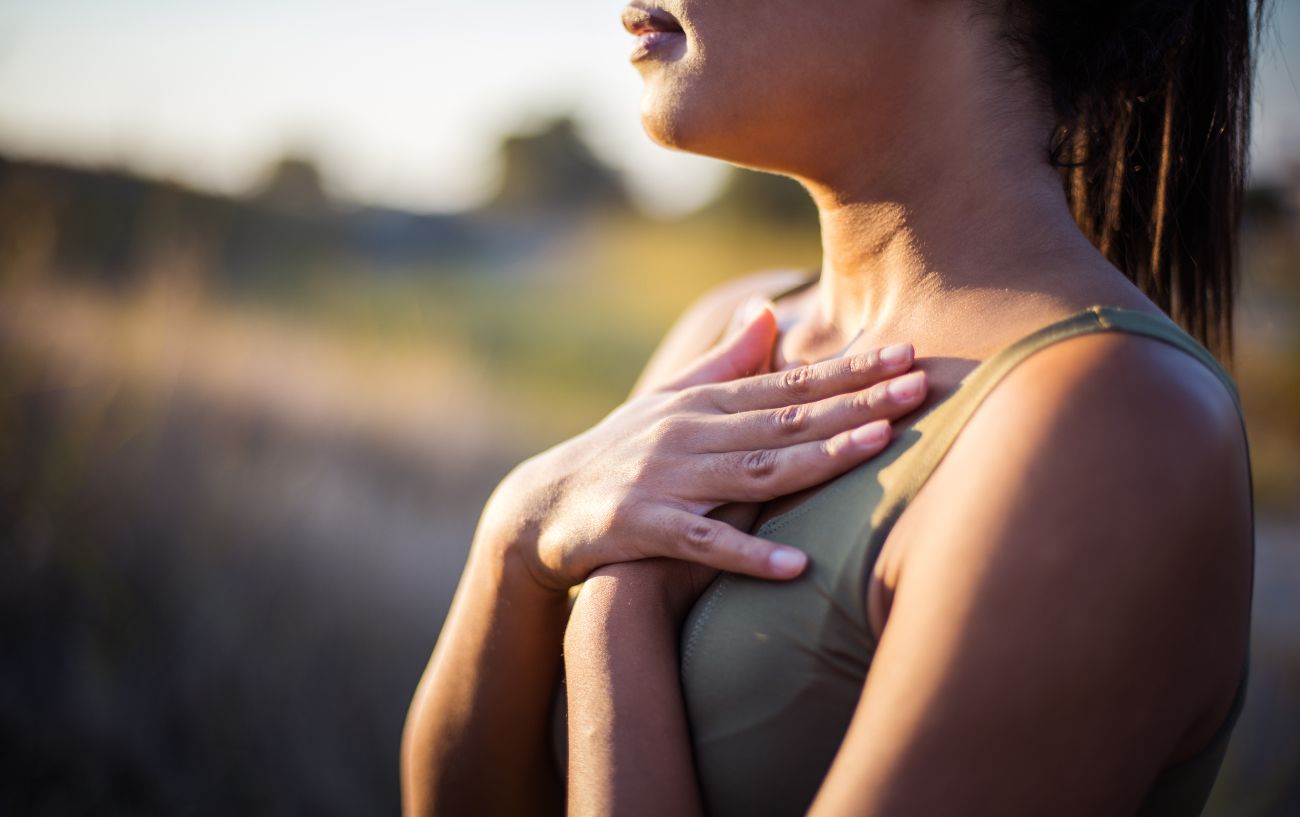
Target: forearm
{"x": 476, "y": 733}
{"x": 629, "y": 747}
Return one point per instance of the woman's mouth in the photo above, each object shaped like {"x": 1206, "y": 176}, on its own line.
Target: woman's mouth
{"x": 655, "y": 29}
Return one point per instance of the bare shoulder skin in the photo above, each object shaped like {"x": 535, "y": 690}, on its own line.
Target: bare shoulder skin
{"x": 1074, "y": 577}
{"x": 1065, "y": 598}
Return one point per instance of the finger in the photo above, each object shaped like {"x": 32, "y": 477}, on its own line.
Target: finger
{"x": 766, "y": 473}
{"x": 684, "y": 535}
{"x": 806, "y": 422}
{"x": 745, "y": 352}
{"x": 803, "y": 384}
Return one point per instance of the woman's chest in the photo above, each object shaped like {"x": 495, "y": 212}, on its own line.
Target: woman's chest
{"x": 943, "y": 378}
{"x": 772, "y": 671}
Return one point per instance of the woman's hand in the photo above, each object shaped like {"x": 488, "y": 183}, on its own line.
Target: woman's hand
{"x": 636, "y": 485}
{"x": 639, "y": 483}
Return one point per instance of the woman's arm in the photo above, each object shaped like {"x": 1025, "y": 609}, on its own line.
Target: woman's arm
{"x": 637, "y": 485}
{"x": 476, "y": 739}
{"x": 1073, "y": 620}
{"x": 476, "y": 732}
{"x": 629, "y": 750}
{"x": 1062, "y": 627}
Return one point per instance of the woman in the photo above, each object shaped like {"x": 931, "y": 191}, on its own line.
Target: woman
{"x": 1045, "y": 565}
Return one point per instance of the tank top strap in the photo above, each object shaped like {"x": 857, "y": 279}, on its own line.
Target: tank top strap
{"x": 946, "y": 420}
{"x": 811, "y": 276}
{"x": 1130, "y": 320}
{"x": 949, "y": 417}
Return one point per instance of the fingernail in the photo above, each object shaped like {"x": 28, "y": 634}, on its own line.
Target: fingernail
{"x": 871, "y": 433}
{"x": 897, "y": 354}
{"x": 907, "y": 386}
{"x": 787, "y": 561}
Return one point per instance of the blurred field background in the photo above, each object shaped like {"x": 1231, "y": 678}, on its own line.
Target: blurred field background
{"x": 245, "y": 435}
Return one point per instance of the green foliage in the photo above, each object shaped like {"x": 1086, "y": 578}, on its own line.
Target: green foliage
{"x": 763, "y": 198}
{"x": 553, "y": 171}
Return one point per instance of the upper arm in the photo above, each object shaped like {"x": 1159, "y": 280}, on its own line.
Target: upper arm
{"x": 700, "y": 325}
{"x": 1071, "y": 609}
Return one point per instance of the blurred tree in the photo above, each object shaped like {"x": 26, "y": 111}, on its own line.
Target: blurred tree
{"x": 29, "y": 229}
{"x": 293, "y": 184}
{"x": 552, "y": 171}
{"x": 767, "y": 198}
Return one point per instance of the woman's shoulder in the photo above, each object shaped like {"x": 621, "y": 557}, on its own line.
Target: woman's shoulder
{"x": 1111, "y": 409}
{"x": 708, "y": 317}
{"x": 1161, "y": 390}
{"x": 1099, "y": 435}
{"x": 1074, "y": 591}
{"x": 1114, "y": 394}
{"x": 1101, "y": 490}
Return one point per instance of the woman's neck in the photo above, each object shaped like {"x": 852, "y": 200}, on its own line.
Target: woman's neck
{"x": 953, "y": 206}
{"x": 969, "y": 238}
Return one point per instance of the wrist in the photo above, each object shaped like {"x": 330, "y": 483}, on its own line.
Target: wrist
{"x": 507, "y": 562}
{"x": 509, "y": 531}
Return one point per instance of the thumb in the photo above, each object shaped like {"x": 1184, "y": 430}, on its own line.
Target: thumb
{"x": 746, "y": 351}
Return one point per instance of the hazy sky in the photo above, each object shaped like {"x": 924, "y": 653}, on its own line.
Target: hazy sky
{"x": 402, "y": 101}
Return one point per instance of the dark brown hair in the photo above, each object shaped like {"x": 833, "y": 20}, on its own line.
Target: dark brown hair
{"x": 1153, "y": 104}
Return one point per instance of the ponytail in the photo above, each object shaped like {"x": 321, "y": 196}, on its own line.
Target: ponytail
{"x": 1153, "y": 103}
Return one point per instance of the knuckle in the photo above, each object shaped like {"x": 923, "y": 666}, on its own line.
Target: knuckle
{"x": 702, "y": 396}
{"x": 698, "y": 534}
{"x": 878, "y": 395}
{"x": 688, "y": 398}
{"x": 862, "y": 401}
{"x": 853, "y": 367}
{"x": 830, "y": 448}
{"x": 796, "y": 382}
{"x": 759, "y": 464}
{"x": 790, "y": 419}
{"x": 670, "y": 429}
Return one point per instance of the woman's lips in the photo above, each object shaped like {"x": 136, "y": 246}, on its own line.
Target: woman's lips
{"x": 655, "y": 29}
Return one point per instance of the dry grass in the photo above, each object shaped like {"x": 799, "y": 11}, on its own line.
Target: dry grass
{"x": 231, "y": 527}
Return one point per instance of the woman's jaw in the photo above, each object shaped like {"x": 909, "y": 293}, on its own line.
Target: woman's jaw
{"x": 921, "y": 150}
{"x": 777, "y": 85}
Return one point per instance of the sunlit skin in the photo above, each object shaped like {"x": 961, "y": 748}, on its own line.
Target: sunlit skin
{"x": 1061, "y": 609}
{"x": 633, "y": 487}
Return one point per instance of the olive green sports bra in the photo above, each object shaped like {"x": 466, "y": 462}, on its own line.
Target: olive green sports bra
{"x": 772, "y": 671}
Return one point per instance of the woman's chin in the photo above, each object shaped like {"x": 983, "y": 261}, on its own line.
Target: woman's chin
{"x": 663, "y": 121}
{"x": 670, "y": 121}
{"x": 662, "y": 133}
{"x": 669, "y": 128}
